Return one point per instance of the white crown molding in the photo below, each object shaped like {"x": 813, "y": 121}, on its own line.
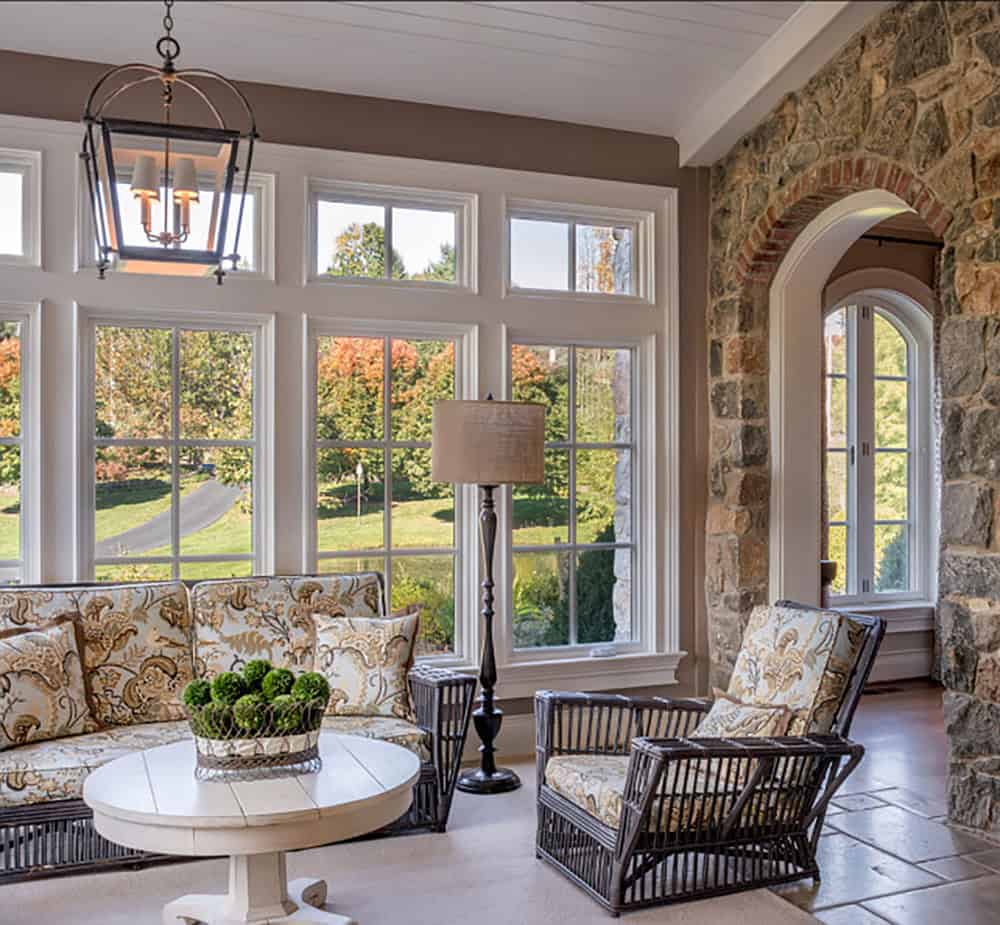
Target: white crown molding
{"x": 810, "y": 38}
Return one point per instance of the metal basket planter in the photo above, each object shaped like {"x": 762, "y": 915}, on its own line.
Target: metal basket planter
{"x": 275, "y": 741}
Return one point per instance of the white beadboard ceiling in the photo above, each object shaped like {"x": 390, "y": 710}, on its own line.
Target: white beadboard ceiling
{"x": 702, "y": 72}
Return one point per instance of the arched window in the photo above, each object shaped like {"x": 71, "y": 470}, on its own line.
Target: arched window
{"x": 878, "y": 479}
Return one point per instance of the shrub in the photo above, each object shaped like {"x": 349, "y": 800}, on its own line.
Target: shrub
{"x": 227, "y": 688}
{"x": 276, "y": 683}
{"x": 211, "y": 721}
{"x": 311, "y": 686}
{"x": 254, "y": 672}
{"x": 249, "y": 712}
{"x": 287, "y": 713}
{"x": 197, "y": 694}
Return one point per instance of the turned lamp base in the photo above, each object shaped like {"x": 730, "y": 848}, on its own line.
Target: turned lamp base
{"x": 502, "y": 780}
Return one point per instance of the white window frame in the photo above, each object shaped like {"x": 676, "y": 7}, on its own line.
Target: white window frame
{"x": 262, "y": 327}
{"x": 466, "y": 538}
{"x": 464, "y": 205}
{"x": 642, "y": 224}
{"x": 644, "y": 539}
{"x": 29, "y": 165}
{"x": 28, "y": 315}
{"x": 914, "y": 324}
{"x": 261, "y": 186}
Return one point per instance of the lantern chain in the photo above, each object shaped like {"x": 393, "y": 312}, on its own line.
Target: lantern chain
{"x": 168, "y": 47}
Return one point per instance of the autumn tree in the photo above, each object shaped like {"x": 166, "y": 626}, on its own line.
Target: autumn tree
{"x": 442, "y": 269}
{"x": 10, "y": 401}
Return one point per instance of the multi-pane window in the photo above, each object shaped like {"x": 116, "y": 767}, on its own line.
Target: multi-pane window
{"x": 174, "y": 452}
{"x": 377, "y": 508}
{"x": 389, "y": 238}
{"x": 572, "y": 538}
{"x": 11, "y": 450}
{"x": 11, "y": 212}
{"x": 571, "y": 256}
{"x": 871, "y": 452}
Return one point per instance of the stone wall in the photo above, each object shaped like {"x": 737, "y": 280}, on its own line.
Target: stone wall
{"x": 912, "y": 105}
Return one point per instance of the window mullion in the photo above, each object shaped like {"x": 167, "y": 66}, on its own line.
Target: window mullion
{"x": 387, "y": 465}
{"x": 571, "y": 426}
{"x": 175, "y": 431}
{"x": 865, "y": 455}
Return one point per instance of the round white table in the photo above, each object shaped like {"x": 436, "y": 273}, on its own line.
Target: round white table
{"x": 151, "y": 801}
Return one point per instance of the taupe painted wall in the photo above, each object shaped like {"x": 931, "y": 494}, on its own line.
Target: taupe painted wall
{"x": 915, "y": 259}
{"x": 56, "y": 88}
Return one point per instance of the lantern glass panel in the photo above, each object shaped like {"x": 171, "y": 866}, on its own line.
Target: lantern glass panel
{"x": 155, "y": 221}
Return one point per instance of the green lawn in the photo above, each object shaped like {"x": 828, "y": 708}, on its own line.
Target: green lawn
{"x": 10, "y": 523}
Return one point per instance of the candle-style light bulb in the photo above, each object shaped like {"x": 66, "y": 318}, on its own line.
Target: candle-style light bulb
{"x": 146, "y": 186}
{"x": 185, "y": 189}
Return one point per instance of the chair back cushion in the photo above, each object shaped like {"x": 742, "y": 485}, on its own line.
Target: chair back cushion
{"x": 136, "y": 643}
{"x": 42, "y": 694}
{"x": 785, "y": 659}
{"x": 730, "y": 719}
{"x": 367, "y": 663}
{"x": 240, "y": 619}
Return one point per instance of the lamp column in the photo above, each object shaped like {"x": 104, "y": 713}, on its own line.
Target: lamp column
{"x": 488, "y": 718}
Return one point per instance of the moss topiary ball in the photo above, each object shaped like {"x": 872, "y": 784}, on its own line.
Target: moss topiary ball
{"x": 310, "y": 686}
{"x": 250, "y": 711}
{"x": 276, "y": 682}
{"x": 254, "y": 672}
{"x": 227, "y": 688}
{"x": 287, "y": 714}
{"x": 197, "y": 694}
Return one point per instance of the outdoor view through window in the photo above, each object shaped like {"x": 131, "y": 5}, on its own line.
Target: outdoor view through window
{"x": 572, "y": 536}
{"x": 174, "y": 451}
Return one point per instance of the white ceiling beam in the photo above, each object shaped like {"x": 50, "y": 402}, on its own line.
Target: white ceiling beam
{"x": 806, "y": 42}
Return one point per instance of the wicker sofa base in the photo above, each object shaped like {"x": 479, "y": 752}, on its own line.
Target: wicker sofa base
{"x": 585, "y": 851}
{"x": 59, "y": 838}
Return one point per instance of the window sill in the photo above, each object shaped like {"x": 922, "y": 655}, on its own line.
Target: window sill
{"x": 900, "y": 616}
{"x": 585, "y": 674}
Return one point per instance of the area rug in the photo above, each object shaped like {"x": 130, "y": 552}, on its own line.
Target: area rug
{"x": 482, "y": 871}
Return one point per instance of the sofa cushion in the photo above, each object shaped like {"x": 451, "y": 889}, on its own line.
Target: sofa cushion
{"x": 366, "y": 662}
{"x": 245, "y": 618}
{"x": 596, "y": 783}
{"x": 44, "y": 771}
{"x": 42, "y": 694}
{"x": 783, "y": 659}
{"x": 56, "y": 770}
{"x": 384, "y": 728}
{"x": 833, "y": 687}
{"x": 136, "y": 643}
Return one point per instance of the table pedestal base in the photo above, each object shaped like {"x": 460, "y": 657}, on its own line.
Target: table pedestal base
{"x": 259, "y": 894}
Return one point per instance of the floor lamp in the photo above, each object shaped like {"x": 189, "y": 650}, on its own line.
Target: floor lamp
{"x": 488, "y": 443}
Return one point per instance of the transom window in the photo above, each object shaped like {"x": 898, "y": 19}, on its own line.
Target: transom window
{"x": 174, "y": 452}
{"x": 20, "y": 195}
{"x": 572, "y": 539}
{"x": 366, "y": 233}
{"x": 377, "y": 508}
{"x": 875, "y": 468}
{"x": 552, "y": 248}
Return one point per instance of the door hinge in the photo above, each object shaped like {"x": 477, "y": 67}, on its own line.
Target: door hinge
{"x": 866, "y": 586}
{"x": 866, "y": 312}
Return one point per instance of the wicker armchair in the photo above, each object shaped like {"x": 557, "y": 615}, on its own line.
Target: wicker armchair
{"x": 678, "y": 818}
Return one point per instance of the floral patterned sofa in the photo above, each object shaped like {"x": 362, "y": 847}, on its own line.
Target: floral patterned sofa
{"x": 139, "y": 646}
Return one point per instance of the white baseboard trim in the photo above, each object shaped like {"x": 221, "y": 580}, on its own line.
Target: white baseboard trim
{"x": 906, "y": 663}
{"x": 516, "y": 741}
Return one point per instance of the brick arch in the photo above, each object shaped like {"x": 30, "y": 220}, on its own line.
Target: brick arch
{"x": 737, "y": 523}
{"x": 821, "y": 186}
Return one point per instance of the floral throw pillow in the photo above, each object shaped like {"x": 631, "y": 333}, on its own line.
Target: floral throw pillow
{"x": 730, "y": 719}
{"x": 42, "y": 694}
{"x": 367, "y": 662}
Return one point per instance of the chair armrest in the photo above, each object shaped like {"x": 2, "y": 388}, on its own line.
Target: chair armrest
{"x": 782, "y": 783}
{"x": 443, "y": 699}
{"x": 567, "y": 722}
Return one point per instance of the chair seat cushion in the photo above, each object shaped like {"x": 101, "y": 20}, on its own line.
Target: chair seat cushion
{"x": 55, "y": 770}
{"x": 384, "y": 728}
{"x": 596, "y": 783}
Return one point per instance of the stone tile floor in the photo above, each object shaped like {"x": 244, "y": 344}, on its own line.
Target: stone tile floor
{"x": 887, "y": 853}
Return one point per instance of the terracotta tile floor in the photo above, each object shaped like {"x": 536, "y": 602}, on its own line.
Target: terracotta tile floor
{"x": 887, "y": 854}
